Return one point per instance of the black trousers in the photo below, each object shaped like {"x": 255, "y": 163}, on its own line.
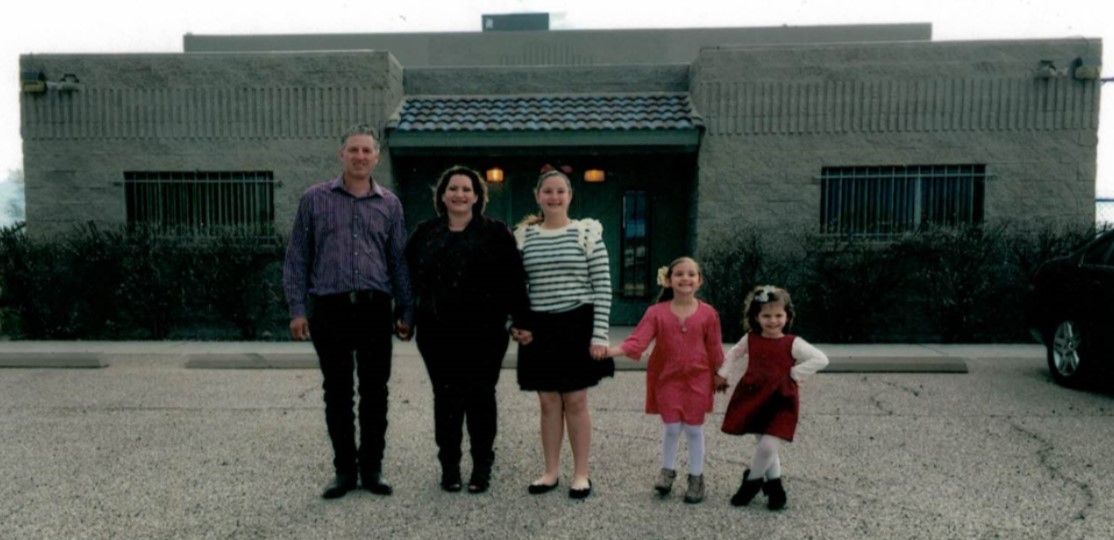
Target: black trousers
{"x": 349, "y": 330}
{"x": 464, "y": 360}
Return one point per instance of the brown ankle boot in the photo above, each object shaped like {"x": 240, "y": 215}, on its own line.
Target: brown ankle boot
{"x": 695, "y": 491}
{"x": 747, "y": 490}
{"x": 665, "y": 481}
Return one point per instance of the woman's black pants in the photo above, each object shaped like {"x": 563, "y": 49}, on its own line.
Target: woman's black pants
{"x": 464, "y": 360}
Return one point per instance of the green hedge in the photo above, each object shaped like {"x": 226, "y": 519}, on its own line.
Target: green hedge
{"x": 137, "y": 284}
{"x": 951, "y": 285}
{"x": 937, "y": 285}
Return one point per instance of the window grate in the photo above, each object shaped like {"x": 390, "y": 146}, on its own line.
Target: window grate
{"x": 202, "y": 203}
{"x": 885, "y": 201}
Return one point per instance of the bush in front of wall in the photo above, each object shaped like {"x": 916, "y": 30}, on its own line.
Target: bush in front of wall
{"x": 951, "y": 285}
{"x": 138, "y": 283}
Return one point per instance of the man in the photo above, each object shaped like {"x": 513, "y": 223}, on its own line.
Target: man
{"x": 346, "y": 259}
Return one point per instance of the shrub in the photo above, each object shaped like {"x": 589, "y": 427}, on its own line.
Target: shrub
{"x": 963, "y": 284}
{"x": 137, "y": 283}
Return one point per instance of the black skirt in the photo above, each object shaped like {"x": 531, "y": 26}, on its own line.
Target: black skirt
{"x": 558, "y": 359}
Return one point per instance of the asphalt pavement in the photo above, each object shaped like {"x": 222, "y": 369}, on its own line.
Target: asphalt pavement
{"x": 227, "y": 440}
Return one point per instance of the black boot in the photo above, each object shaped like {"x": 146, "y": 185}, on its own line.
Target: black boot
{"x": 776, "y": 494}
{"x": 747, "y": 490}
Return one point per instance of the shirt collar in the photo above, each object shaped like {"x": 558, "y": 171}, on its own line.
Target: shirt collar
{"x": 338, "y": 185}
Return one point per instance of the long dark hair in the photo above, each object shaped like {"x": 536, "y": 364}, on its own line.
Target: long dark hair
{"x": 478, "y": 186}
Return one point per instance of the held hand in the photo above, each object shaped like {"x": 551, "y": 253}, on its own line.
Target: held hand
{"x": 616, "y": 352}
{"x": 598, "y": 352}
{"x": 523, "y": 337}
{"x": 402, "y": 330}
{"x": 299, "y": 328}
{"x": 721, "y": 383}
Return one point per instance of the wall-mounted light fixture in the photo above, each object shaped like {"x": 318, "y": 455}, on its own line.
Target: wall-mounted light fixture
{"x": 1046, "y": 69}
{"x": 1085, "y": 69}
{"x": 32, "y": 82}
{"x": 494, "y": 175}
{"x": 594, "y": 175}
{"x": 68, "y": 83}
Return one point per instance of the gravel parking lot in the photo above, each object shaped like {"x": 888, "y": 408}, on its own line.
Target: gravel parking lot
{"x": 146, "y": 448}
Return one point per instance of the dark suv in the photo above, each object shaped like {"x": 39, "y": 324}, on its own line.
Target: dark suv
{"x": 1070, "y": 308}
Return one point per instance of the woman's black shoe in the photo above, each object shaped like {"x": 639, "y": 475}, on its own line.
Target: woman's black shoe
{"x": 580, "y": 493}
{"x": 450, "y": 481}
{"x": 479, "y": 482}
{"x": 538, "y": 489}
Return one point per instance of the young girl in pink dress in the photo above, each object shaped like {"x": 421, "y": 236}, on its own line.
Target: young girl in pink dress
{"x": 681, "y": 374}
{"x": 766, "y": 402}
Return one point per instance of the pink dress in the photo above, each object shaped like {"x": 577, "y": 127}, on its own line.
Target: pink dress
{"x": 679, "y": 376}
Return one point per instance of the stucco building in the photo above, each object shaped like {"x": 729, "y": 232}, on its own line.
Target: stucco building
{"x": 865, "y": 130}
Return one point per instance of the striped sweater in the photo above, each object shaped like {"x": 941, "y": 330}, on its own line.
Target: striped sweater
{"x": 566, "y": 268}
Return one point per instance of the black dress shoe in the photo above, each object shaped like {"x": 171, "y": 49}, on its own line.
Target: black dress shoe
{"x": 341, "y": 484}
{"x": 581, "y": 493}
{"x": 374, "y": 483}
{"x": 538, "y": 489}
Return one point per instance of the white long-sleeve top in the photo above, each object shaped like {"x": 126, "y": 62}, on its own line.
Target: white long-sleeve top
{"x": 808, "y": 359}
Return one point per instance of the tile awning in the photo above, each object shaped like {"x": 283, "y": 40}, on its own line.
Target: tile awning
{"x": 648, "y": 119}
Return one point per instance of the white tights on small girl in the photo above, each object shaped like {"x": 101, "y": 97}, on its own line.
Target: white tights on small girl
{"x": 671, "y": 441}
{"x": 765, "y": 462}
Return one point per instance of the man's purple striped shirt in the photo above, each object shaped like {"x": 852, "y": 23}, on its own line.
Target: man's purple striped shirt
{"x": 343, "y": 243}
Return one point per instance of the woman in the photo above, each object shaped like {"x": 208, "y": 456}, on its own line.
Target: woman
{"x": 569, "y": 286}
{"x": 467, "y": 278}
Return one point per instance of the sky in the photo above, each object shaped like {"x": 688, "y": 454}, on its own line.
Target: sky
{"x": 149, "y": 26}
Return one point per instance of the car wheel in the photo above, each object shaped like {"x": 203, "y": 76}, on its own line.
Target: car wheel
{"x": 1065, "y": 354}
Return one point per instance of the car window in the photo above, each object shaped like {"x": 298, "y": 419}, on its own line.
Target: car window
{"x": 1099, "y": 252}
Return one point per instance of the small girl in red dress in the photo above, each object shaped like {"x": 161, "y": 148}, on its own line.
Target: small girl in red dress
{"x": 766, "y": 402}
{"x": 681, "y": 374}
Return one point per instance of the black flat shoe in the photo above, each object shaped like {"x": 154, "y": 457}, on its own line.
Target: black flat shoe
{"x": 341, "y": 485}
{"x": 580, "y": 493}
{"x": 538, "y": 489}
{"x": 375, "y": 484}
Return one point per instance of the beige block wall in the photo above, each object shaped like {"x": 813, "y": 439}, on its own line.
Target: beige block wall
{"x": 777, "y": 116}
{"x": 280, "y": 112}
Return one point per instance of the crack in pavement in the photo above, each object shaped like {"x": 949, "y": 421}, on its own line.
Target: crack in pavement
{"x": 1044, "y": 459}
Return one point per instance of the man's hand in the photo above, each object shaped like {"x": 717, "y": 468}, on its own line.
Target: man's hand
{"x": 402, "y": 330}
{"x": 299, "y": 328}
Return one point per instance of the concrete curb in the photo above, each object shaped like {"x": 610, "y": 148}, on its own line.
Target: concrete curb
{"x": 52, "y": 360}
{"x": 845, "y": 358}
{"x": 908, "y": 364}
{"x": 251, "y": 361}
{"x": 839, "y": 364}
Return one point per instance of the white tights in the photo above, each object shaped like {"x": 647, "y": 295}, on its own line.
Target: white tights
{"x": 671, "y": 441}
{"x": 765, "y": 462}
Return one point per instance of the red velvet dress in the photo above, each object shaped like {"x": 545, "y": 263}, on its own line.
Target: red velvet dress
{"x": 766, "y": 400}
